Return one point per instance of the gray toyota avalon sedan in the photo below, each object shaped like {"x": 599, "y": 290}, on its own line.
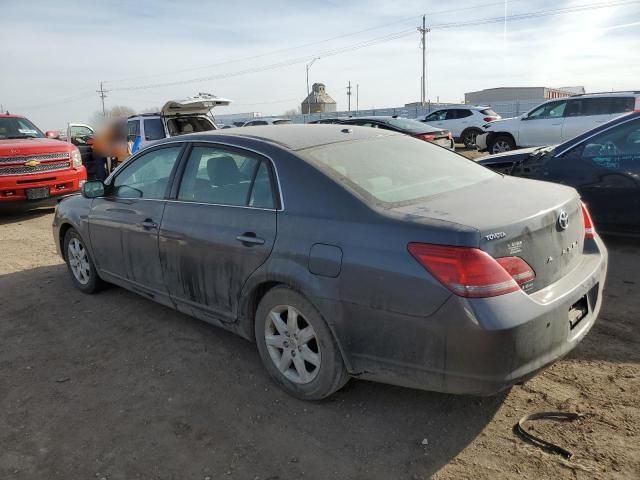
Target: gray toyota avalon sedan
{"x": 346, "y": 251}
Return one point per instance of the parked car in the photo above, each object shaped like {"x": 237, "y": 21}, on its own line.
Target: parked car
{"x": 177, "y": 117}
{"x": 408, "y": 126}
{"x": 464, "y": 121}
{"x": 556, "y": 121}
{"x": 267, "y": 121}
{"x": 34, "y": 167}
{"x": 329, "y": 120}
{"x": 603, "y": 164}
{"x": 427, "y": 271}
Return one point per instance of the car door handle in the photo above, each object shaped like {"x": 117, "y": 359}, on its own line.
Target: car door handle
{"x": 149, "y": 224}
{"x": 249, "y": 238}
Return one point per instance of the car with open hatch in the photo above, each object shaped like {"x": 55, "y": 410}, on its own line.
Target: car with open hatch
{"x": 346, "y": 252}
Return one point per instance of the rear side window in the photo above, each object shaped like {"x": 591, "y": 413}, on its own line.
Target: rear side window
{"x": 257, "y": 122}
{"x": 462, "y": 113}
{"x": 622, "y": 104}
{"x": 219, "y": 176}
{"x": 596, "y": 106}
{"x": 489, "y": 112}
{"x": 153, "y": 129}
{"x": 396, "y": 169}
{"x": 133, "y": 128}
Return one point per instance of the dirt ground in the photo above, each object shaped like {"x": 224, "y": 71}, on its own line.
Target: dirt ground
{"x": 114, "y": 386}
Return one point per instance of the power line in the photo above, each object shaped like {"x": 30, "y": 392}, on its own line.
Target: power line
{"x": 378, "y": 40}
{"x": 305, "y": 45}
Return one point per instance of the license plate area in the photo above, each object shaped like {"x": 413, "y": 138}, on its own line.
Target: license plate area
{"x": 578, "y": 312}
{"x": 37, "y": 193}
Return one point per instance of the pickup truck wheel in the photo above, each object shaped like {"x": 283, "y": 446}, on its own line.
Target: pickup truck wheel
{"x": 297, "y": 347}
{"x": 80, "y": 265}
{"x": 502, "y": 143}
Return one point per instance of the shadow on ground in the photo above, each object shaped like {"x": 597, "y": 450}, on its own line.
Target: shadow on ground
{"x": 115, "y": 385}
{"x": 16, "y": 214}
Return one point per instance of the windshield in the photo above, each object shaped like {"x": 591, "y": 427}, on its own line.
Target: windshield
{"x": 184, "y": 125}
{"x": 17, "y": 127}
{"x": 408, "y": 124}
{"x": 396, "y": 169}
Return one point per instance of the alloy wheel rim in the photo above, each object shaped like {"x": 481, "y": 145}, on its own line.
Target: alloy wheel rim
{"x": 79, "y": 261}
{"x": 500, "y": 147}
{"x": 292, "y": 344}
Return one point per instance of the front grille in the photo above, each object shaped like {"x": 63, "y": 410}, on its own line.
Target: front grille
{"x": 43, "y": 167}
{"x": 40, "y": 158}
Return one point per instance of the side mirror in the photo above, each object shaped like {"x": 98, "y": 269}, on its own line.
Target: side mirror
{"x": 52, "y": 134}
{"x": 93, "y": 189}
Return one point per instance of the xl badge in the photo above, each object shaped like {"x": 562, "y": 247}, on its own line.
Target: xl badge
{"x": 563, "y": 220}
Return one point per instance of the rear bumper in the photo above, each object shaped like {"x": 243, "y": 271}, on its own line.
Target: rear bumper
{"x": 13, "y": 188}
{"x": 481, "y": 141}
{"x": 483, "y": 346}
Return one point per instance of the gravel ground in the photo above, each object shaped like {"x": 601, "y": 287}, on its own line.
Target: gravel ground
{"x": 114, "y": 386}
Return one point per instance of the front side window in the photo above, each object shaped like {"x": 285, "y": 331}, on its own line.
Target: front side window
{"x": 148, "y": 175}
{"x": 548, "y": 110}
{"x": 395, "y": 169}
{"x": 223, "y": 177}
{"x": 617, "y": 148}
{"x": 153, "y": 129}
{"x": 436, "y": 116}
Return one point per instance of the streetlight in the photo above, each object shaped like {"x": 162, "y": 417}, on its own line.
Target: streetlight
{"x": 308, "y": 67}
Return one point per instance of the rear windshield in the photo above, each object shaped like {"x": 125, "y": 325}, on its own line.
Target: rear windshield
{"x": 489, "y": 112}
{"x": 280, "y": 122}
{"x": 396, "y": 169}
{"x": 407, "y": 124}
{"x": 184, "y": 125}
{"x": 17, "y": 127}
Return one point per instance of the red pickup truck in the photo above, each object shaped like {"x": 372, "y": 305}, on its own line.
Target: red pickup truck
{"x": 34, "y": 167}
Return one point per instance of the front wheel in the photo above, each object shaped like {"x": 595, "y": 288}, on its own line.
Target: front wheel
{"x": 80, "y": 265}
{"x": 502, "y": 143}
{"x": 297, "y": 347}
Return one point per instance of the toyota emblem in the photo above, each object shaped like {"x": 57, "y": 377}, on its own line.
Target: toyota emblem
{"x": 563, "y": 220}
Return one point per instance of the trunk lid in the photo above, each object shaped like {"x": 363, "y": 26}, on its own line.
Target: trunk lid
{"x": 516, "y": 217}
{"x": 197, "y": 105}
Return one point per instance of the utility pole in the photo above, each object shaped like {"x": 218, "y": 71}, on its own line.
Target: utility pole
{"x": 349, "y": 96}
{"x": 102, "y": 93}
{"x": 423, "y": 31}
{"x": 357, "y": 97}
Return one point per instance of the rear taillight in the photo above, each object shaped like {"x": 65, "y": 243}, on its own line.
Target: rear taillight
{"x": 426, "y": 137}
{"x": 637, "y": 106}
{"x": 589, "y": 230}
{"x": 489, "y": 119}
{"x": 470, "y": 272}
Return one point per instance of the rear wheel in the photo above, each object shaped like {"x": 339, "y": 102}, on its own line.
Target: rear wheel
{"x": 297, "y": 347}
{"x": 79, "y": 262}
{"x": 502, "y": 143}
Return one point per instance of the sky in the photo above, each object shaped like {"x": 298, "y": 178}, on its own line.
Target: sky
{"x": 54, "y": 54}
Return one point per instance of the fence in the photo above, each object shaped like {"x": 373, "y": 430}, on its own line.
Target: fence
{"x": 504, "y": 109}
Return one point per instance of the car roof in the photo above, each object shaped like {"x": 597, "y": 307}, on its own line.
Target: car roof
{"x": 295, "y": 136}
{"x": 10, "y": 115}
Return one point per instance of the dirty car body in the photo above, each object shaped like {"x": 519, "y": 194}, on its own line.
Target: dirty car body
{"x": 371, "y": 254}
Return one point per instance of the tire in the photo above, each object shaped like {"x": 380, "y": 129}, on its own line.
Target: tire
{"x": 469, "y": 137}
{"x": 81, "y": 267}
{"x": 502, "y": 143}
{"x": 311, "y": 366}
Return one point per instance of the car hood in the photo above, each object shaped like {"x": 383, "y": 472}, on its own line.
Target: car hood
{"x": 512, "y": 156}
{"x": 197, "y": 105}
{"x": 430, "y": 129}
{"x": 18, "y": 147}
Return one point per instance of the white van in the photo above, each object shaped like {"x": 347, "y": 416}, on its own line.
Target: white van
{"x": 556, "y": 121}
{"x": 177, "y": 117}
